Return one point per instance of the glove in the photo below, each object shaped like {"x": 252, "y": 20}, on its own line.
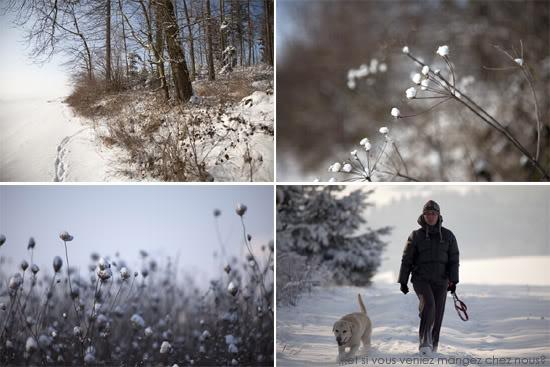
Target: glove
{"x": 451, "y": 287}
{"x": 404, "y": 288}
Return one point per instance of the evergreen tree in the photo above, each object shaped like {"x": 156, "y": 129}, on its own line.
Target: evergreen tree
{"x": 328, "y": 228}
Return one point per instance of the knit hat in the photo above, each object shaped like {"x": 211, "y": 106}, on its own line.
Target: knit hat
{"x": 431, "y": 205}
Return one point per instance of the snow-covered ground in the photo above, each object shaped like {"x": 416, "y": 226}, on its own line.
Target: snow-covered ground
{"x": 506, "y": 321}
{"x": 42, "y": 140}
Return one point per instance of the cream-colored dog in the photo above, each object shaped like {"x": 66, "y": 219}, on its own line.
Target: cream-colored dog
{"x": 351, "y": 330}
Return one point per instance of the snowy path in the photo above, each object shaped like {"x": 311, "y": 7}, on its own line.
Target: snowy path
{"x": 42, "y": 140}
{"x": 505, "y": 321}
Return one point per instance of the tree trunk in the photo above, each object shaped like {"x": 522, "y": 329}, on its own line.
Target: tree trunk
{"x": 240, "y": 31}
{"x": 108, "y": 41}
{"x": 124, "y": 39}
{"x": 250, "y": 34}
{"x": 191, "y": 42}
{"x": 268, "y": 15}
{"x": 153, "y": 47}
{"x": 159, "y": 46}
{"x": 184, "y": 89}
{"x": 211, "y": 75}
{"x": 222, "y": 31}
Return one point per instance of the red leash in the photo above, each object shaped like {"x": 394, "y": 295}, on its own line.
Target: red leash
{"x": 460, "y": 308}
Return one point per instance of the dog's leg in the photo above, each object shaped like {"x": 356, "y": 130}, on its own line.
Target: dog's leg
{"x": 366, "y": 341}
{"x": 353, "y": 350}
{"x": 341, "y": 354}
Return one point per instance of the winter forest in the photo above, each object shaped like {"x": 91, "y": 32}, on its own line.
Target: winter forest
{"x": 323, "y": 228}
{"x": 413, "y": 91}
{"x": 173, "y": 90}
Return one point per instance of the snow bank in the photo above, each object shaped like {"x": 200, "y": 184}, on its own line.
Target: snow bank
{"x": 43, "y": 141}
{"x": 505, "y": 322}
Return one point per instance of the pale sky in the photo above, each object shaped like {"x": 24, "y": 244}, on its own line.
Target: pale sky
{"x": 489, "y": 221}
{"x": 21, "y": 78}
{"x": 164, "y": 220}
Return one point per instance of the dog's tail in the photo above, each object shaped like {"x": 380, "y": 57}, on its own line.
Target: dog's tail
{"x": 361, "y": 304}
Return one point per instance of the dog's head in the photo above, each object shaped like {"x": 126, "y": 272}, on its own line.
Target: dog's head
{"x": 343, "y": 331}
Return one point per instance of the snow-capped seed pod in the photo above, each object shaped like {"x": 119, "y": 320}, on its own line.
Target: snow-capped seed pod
{"x": 332, "y": 179}
{"x": 205, "y": 335}
{"x": 15, "y": 282}
{"x": 424, "y": 84}
{"x": 443, "y": 50}
{"x": 35, "y": 269}
{"x": 405, "y": 50}
{"x": 232, "y": 348}
{"x": 148, "y": 331}
{"x": 354, "y": 153}
{"x": 232, "y": 288}
{"x": 425, "y": 70}
{"x": 57, "y": 264}
{"x": 103, "y": 264}
{"x": 347, "y": 168}
{"x": 137, "y": 321}
{"x": 24, "y": 265}
{"x": 2, "y": 239}
{"x": 165, "y": 347}
{"x": 411, "y": 93}
{"x": 77, "y": 331}
{"x": 104, "y": 274}
{"x": 384, "y": 130}
{"x": 64, "y": 315}
{"x": 335, "y": 167}
{"x": 417, "y": 78}
{"x": 65, "y": 236}
{"x": 383, "y": 67}
{"x": 241, "y": 209}
{"x": 31, "y": 244}
{"x": 227, "y": 268}
{"x": 124, "y": 273}
{"x": 31, "y": 345}
{"x": 395, "y": 112}
{"x": 519, "y": 61}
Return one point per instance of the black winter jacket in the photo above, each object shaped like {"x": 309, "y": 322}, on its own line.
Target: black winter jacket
{"x": 431, "y": 254}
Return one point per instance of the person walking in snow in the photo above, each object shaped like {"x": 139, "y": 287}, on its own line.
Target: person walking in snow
{"x": 431, "y": 255}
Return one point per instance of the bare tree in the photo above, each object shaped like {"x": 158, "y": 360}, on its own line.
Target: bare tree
{"x": 191, "y": 42}
{"x": 211, "y": 73}
{"x": 180, "y": 74}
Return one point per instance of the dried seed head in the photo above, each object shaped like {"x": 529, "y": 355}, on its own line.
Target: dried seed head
{"x": 395, "y": 112}
{"x": 443, "y": 50}
{"x": 65, "y": 236}
{"x": 31, "y": 244}
{"x": 227, "y": 268}
{"x": 217, "y": 212}
{"x": 57, "y": 263}
{"x": 232, "y": 288}
{"x": 137, "y": 321}
{"x": 35, "y": 269}
{"x": 165, "y": 347}
{"x": 241, "y": 209}
{"x": 124, "y": 273}
{"x": 24, "y": 265}
{"x": 15, "y": 282}
{"x": 148, "y": 331}
{"x": 31, "y": 345}
{"x": 2, "y": 239}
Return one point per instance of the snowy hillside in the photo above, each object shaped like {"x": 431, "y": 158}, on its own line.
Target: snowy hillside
{"x": 505, "y": 322}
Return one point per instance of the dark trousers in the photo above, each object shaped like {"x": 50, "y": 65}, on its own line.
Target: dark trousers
{"x": 431, "y": 308}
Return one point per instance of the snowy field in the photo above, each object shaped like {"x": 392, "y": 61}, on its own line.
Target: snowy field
{"x": 506, "y": 321}
{"x": 42, "y": 140}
